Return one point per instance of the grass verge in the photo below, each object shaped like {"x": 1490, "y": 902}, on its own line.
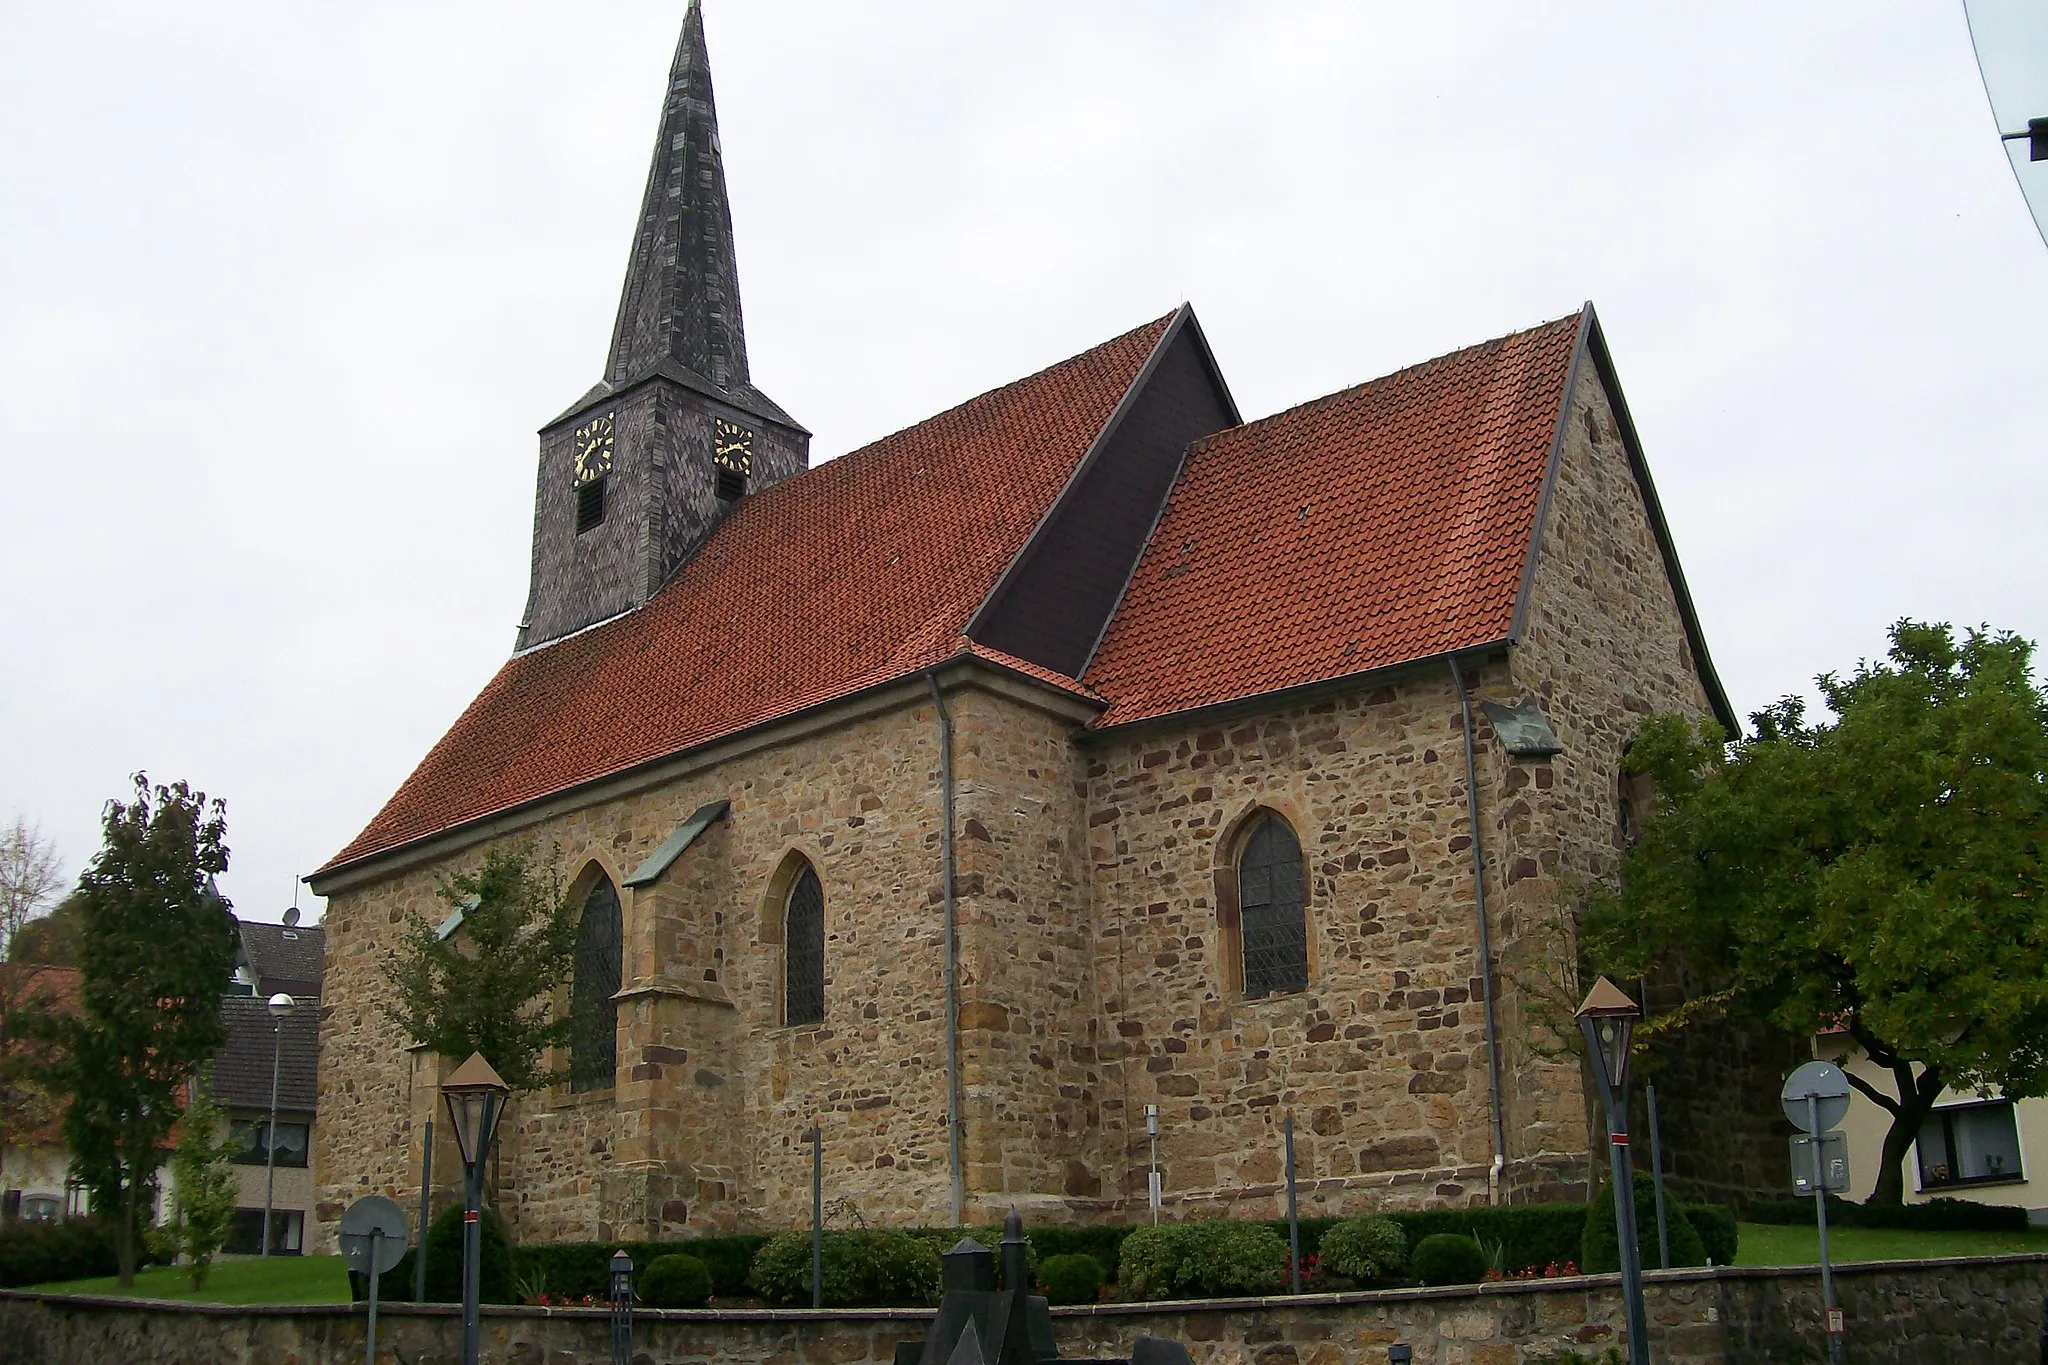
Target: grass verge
{"x": 234, "y": 1279}
{"x": 1770, "y": 1244}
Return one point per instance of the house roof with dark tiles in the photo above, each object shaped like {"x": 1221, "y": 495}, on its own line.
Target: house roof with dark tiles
{"x": 241, "y": 1069}
{"x": 283, "y": 959}
{"x": 859, "y": 572}
{"x": 1383, "y": 524}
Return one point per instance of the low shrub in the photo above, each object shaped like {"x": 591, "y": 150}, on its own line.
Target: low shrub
{"x": 1364, "y": 1249}
{"x": 1600, "y": 1251}
{"x": 1074, "y": 1277}
{"x": 43, "y": 1253}
{"x": 1202, "y": 1260}
{"x": 1448, "y": 1258}
{"x": 1936, "y": 1215}
{"x": 444, "y": 1260}
{"x": 862, "y": 1267}
{"x": 1104, "y": 1243}
{"x": 574, "y": 1269}
{"x": 1719, "y": 1233}
{"x": 675, "y": 1281}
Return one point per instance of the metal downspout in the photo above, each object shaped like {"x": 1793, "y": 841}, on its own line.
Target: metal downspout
{"x": 1500, "y": 1145}
{"x": 958, "y": 1189}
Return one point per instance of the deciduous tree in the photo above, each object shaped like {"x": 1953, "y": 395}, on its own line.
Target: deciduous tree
{"x": 155, "y": 956}
{"x": 1879, "y": 872}
{"x": 489, "y": 986}
{"x": 30, "y": 873}
{"x": 202, "y": 1184}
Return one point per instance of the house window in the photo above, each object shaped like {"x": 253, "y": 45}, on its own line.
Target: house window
{"x": 590, "y": 504}
{"x": 293, "y": 1139}
{"x": 600, "y": 962}
{"x": 1272, "y": 923}
{"x": 287, "y": 1232}
{"x": 42, "y": 1208}
{"x": 803, "y": 951}
{"x": 1968, "y": 1144}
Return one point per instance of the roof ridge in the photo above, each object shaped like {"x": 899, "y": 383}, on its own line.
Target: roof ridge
{"x": 1418, "y": 368}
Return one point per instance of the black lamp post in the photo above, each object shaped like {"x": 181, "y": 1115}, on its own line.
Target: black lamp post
{"x": 1608, "y": 1021}
{"x": 622, "y": 1307}
{"x": 476, "y": 1098}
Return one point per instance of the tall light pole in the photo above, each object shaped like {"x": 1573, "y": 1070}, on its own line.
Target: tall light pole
{"x": 476, "y": 1099}
{"x": 1608, "y": 1020}
{"x": 279, "y": 1006}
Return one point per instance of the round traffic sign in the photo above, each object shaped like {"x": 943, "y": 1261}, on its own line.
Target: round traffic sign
{"x": 373, "y": 1223}
{"x": 1822, "y": 1081}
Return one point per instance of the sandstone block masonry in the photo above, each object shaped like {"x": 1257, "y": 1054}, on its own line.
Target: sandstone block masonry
{"x": 1099, "y": 961}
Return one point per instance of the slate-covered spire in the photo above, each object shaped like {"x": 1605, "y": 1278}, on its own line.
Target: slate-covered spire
{"x": 681, "y": 303}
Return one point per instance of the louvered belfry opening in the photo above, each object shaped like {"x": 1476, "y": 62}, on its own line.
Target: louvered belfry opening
{"x": 803, "y": 947}
{"x": 590, "y": 505}
{"x": 1272, "y": 925}
{"x": 593, "y": 1019}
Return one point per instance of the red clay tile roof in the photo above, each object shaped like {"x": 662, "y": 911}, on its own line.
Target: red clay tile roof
{"x": 860, "y": 571}
{"x": 1382, "y": 524}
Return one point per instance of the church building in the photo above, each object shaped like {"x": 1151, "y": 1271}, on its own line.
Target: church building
{"x": 1083, "y": 751}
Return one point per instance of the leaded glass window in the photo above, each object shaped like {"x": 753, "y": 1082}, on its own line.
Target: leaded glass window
{"x": 1271, "y": 925}
{"x": 803, "y": 952}
{"x": 593, "y": 1019}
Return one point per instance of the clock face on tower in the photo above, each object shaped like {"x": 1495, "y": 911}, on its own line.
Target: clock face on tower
{"x": 593, "y": 448}
{"x": 732, "y": 447}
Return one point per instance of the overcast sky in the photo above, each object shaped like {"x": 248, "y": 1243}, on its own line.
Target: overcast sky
{"x": 285, "y": 291}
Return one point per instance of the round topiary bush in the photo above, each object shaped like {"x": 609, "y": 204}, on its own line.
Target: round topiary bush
{"x": 444, "y": 1259}
{"x": 675, "y": 1281}
{"x": 1074, "y": 1278}
{"x": 1446, "y": 1258}
{"x": 1600, "y": 1249}
{"x": 1365, "y": 1249}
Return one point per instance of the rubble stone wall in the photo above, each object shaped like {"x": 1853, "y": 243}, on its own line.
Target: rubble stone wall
{"x": 1986, "y": 1311}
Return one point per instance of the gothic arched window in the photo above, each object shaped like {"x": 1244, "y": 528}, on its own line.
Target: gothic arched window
{"x": 593, "y": 1019}
{"x": 803, "y": 951}
{"x": 1272, "y": 923}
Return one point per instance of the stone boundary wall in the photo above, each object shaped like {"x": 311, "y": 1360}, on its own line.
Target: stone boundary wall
{"x": 1979, "y": 1309}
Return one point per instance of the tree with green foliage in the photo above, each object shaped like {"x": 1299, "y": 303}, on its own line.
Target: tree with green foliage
{"x": 156, "y": 950}
{"x": 489, "y": 986}
{"x": 202, "y": 1184}
{"x": 1880, "y": 872}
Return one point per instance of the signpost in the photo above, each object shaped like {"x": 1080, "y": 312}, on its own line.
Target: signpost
{"x": 373, "y": 1238}
{"x": 1816, "y": 1097}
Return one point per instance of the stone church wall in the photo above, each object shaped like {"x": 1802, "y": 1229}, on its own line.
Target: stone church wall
{"x": 1382, "y": 1059}
{"x": 1605, "y": 649}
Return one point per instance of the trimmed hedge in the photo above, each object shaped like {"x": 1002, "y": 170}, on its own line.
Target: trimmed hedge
{"x": 444, "y": 1260}
{"x": 1448, "y": 1258}
{"x": 1528, "y": 1234}
{"x": 1213, "y": 1259}
{"x": 574, "y": 1269}
{"x": 1600, "y": 1250}
{"x": 1074, "y": 1277}
{"x": 1719, "y": 1233}
{"x": 42, "y": 1253}
{"x": 1936, "y": 1215}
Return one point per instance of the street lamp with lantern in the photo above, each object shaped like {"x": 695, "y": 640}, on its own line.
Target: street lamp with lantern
{"x": 1607, "y": 1019}
{"x": 476, "y": 1098}
{"x": 279, "y": 1006}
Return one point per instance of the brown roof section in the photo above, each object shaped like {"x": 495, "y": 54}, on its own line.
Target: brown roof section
{"x": 1386, "y": 523}
{"x": 860, "y": 571}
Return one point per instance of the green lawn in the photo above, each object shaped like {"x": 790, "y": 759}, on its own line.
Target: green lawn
{"x": 235, "y": 1279}
{"x": 1767, "y": 1244}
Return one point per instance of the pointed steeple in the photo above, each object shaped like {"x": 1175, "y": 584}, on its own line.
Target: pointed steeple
{"x": 681, "y": 304}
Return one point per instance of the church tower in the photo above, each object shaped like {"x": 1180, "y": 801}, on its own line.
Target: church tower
{"x": 641, "y": 469}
